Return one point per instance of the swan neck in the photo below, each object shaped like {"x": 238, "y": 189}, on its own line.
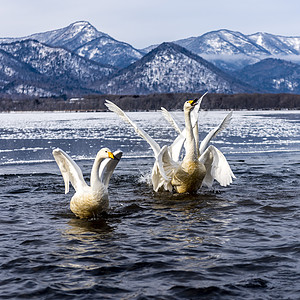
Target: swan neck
{"x": 95, "y": 179}
{"x": 191, "y": 153}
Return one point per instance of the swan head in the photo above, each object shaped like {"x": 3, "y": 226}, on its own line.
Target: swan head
{"x": 105, "y": 153}
{"x": 189, "y": 105}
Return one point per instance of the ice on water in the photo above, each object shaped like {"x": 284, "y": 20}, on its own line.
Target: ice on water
{"x": 27, "y": 137}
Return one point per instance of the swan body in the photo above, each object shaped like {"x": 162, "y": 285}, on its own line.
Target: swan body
{"x": 88, "y": 201}
{"x": 188, "y": 177}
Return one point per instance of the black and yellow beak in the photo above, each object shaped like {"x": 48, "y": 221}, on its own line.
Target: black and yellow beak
{"x": 193, "y": 102}
{"x": 110, "y": 155}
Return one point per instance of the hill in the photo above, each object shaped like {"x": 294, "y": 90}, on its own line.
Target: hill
{"x": 171, "y": 68}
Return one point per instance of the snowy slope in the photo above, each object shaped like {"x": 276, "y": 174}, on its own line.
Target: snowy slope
{"x": 273, "y": 75}
{"x": 80, "y": 59}
{"x": 107, "y": 50}
{"x": 223, "y": 42}
{"x": 54, "y": 68}
{"x": 171, "y": 68}
{"x": 232, "y": 50}
{"x": 277, "y": 45}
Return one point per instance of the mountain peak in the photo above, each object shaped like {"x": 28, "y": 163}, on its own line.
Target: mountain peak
{"x": 71, "y": 36}
{"x": 165, "y": 45}
{"x": 83, "y": 27}
{"x": 81, "y": 23}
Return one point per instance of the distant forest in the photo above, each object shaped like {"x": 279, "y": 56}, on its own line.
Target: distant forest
{"x": 154, "y": 102}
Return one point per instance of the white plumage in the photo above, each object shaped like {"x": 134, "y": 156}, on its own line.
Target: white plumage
{"x": 88, "y": 201}
{"x": 217, "y": 167}
{"x": 201, "y": 165}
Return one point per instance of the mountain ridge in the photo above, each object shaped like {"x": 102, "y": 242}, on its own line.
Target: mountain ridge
{"x": 79, "y": 59}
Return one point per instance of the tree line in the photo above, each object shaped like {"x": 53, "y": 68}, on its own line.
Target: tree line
{"x": 153, "y": 102}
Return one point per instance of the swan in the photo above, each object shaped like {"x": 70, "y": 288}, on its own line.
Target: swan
{"x": 88, "y": 201}
{"x": 189, "y": 174}
{"x": 215, "y": 162}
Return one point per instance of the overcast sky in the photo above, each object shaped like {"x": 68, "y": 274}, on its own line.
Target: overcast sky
{"x": 143, "y": 23}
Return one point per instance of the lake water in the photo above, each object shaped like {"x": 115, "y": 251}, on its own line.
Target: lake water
{"x": 237, "y": 242}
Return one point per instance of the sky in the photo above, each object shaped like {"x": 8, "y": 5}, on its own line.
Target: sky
{"x": 144, "y": 23}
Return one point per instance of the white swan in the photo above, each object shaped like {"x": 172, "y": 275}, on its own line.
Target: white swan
{"x": 188, "y": 175}
{"x": 88, "y": 201}
{"x": 215, "y": 162}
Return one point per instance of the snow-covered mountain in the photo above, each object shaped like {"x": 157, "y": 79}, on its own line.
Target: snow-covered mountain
{"x": 85, "y": 40}
{"x": 107, "y": 50}
{"x": 79, "y": 59}
{"x": 223, "y": 42}
{"x": 12, "y": 70}
{"x": 29, "y": 64}
{"x": 232, "y": 50}
{"x": 277, "y": 45}
{"x": 272, "y": 75}
{"x": 170, "y": 68}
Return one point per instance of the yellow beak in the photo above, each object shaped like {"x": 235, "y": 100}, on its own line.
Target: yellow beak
{"x": 193, "y": 102}
{"x": 110, "y": 155}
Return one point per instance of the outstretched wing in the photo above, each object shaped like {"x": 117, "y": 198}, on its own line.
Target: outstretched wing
{"x": 217, "y": 167}
{"x": 108, "y": 166}
{"x": 163, "y": 170}
{"x": 113, "y": 107}
{"x": 176, "y": 146}
{"x": 69, "y": 170}
{"x": 212, "y": 134}
{"x": 170, "y": 119}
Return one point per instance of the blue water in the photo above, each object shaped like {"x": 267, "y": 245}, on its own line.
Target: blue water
{"x": 237, "y": 242}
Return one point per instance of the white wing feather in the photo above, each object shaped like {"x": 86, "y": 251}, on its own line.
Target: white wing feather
{"x": 69, "y": 170}
{"x": 176, "y": 146}
{"x": 114, "y": 108}
{"x": 158, "y": 168}
{"x": 170, "y": 119}
{"x": 108, "y": 166}
{"x": 163, "y": 170}
{"x": 217, "y": 167}
{"x": 212, "y": 134}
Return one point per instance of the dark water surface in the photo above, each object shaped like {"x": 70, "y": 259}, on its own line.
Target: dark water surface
{"x": 238, "y": 242}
